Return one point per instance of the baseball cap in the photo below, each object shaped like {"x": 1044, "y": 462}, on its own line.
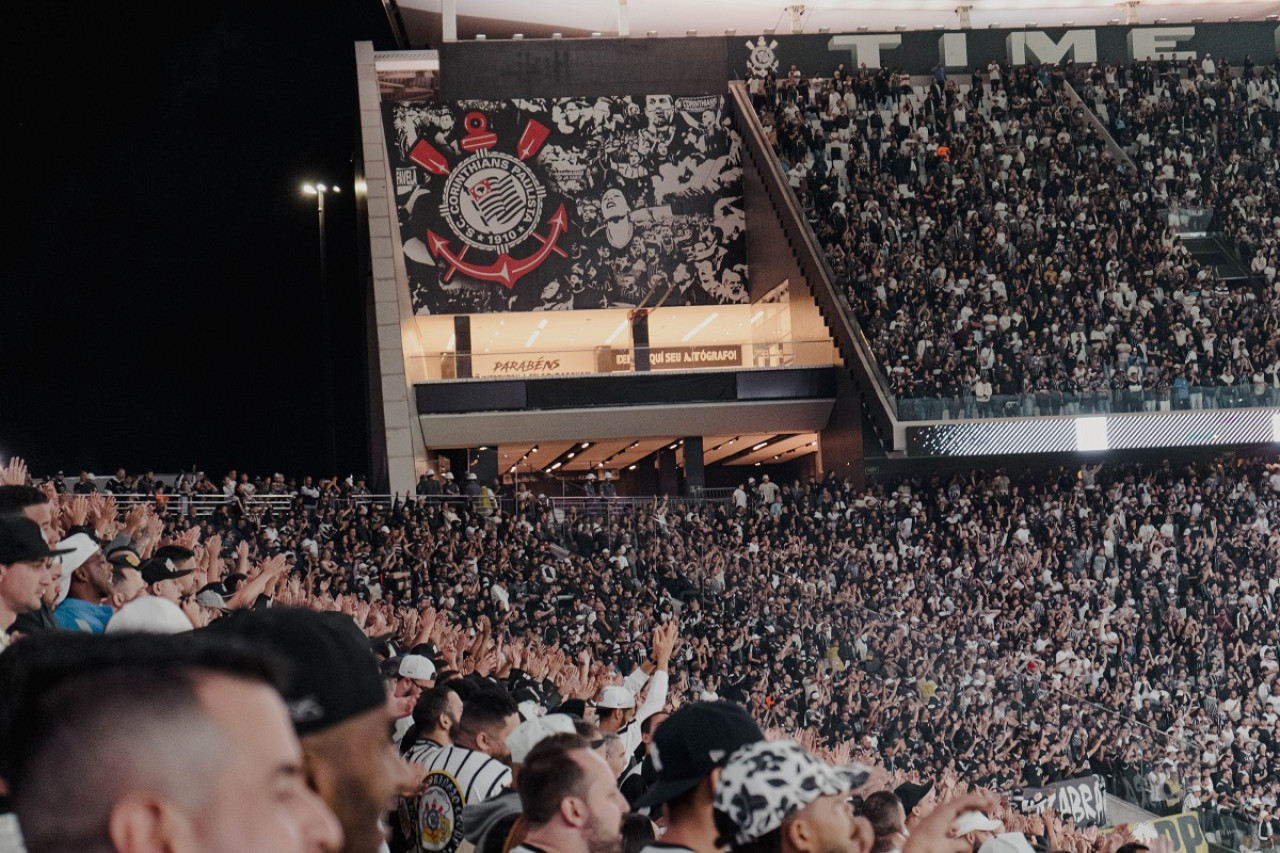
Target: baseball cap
{"x": 22, "y": 542}
{"x": 417, "y": 667}
{"x": 212, "y": 595}
{"x": 159, "y": 569}
{"x": 766, "y": 781}
{"x": 691, "y": 743}
{"x": 1008, "y": 842}
{"x": 533, "y": 731}
{"x": 616, "y": 696}
{"x": 149, "y": 614}
{"x": 911, "y": 793}
{"x": 330, "y": 674}
{"x": 123, "y": 556}
{"x": 975, "y": 821}
{"x": 80, "y": 547}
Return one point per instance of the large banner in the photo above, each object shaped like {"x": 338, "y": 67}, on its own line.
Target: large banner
{"x": 1183, "y": 831}
{"x": 546, "y": 205}
{"x": 1083, "y": 799}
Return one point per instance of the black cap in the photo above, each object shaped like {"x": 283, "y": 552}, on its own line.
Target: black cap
{"x": 694, "y": 741}
{"x": 911, "y": 793}
{"x": 159, "y": 569}
{"x": 331, "y": 675}
{"x": 22, "y": 542}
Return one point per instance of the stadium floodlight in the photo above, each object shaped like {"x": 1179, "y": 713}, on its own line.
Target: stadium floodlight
{"x": 481, "y": 36}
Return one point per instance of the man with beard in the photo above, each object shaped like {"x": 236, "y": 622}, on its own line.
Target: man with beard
{"x": 570, "y": 799}
{"x": 339, "y": 710}
{"x": 472, "y": 770}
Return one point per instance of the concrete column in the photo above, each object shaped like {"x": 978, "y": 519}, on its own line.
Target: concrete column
{"x": 695, "y": 471}
{"x": 449, "y": 20}
{"x": 668, "y": 472}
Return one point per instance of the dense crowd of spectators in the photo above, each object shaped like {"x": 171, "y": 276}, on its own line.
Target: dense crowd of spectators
{"x": 1001, "y": 260}
{"x": 1005, "y": 631}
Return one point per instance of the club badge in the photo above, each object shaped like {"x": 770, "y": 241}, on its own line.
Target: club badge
{"x": 493, "y": 203}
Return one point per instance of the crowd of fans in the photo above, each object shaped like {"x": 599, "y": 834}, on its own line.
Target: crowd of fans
{"x": 1001, "y": 260}
{"x": 977, "y": 629}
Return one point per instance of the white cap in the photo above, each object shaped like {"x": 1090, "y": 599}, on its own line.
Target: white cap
{"x": 448, "y": 475}
{"x": 1009, "y": 842}
{"x": 149, "y": 614}
{"x": 591, "y": 476}
{"x": 83, "y": 548}
{"x": 470, "y": 475}
{"x": 615, "y": 696}
{"x": 431, "y": 472}
{"x": 975, "y": 821}
{"x": 608, "y": 475}
{"x": 534, "y": 731}
{"x": 417, "y": 667}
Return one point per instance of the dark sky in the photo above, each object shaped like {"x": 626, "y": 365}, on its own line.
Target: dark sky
{"x": 161, "y": 277}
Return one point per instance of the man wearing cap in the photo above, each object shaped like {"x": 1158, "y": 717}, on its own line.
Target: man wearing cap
{"x": 688, "y": 751}
{"x": 232, "y": 781}
{"x": 162, "y": 578}
{"x": 616, "y": 707}
{"x": 774, "y": 797}
{"x": 415, "y": 674}
{"x": 89, "y": 587}
{"x": 25, "y": 571}
{"x": 917, "y": 800}
{"x": 428, "y": 485}
{"x": 32, "y": 503}
{"x": 974, "y": 828}
{"x": 339, "y": 709}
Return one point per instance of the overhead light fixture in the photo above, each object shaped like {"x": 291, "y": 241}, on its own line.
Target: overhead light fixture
{"x": 596, "y": 35}
{"x": 673, "y": 446}
{"x": 824, "y": 29}
{"x": 557, "y": 35}
{"x": 571, "y": 454}
{"x": 631, "y": 467}
{"x": 731, "y": 32}
{"x": 585, "y": 445}
{"x": 863, "y": 28}
{"x": 651, "y": 33}
{"x": 996, "y": 25}
{"x": 691, "y": 32}
{"x": 1114, "y": 22}
{"x": 760, "y": 445}
{"x": 517, "y": 36}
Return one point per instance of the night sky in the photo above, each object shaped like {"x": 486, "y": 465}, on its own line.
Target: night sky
{"x": 161, "y": 279}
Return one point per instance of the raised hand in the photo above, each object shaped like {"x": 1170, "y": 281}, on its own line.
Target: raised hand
{"x": 15, "y": 473}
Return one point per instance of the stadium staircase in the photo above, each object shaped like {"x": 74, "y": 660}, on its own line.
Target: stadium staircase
{"x": 1211, "y": 250}
{"x": 765, "y": 184}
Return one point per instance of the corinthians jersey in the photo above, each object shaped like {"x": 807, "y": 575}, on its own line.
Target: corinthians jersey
{"x": 456, "y": 777}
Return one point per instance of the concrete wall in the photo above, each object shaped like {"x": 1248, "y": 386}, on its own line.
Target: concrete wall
{"x": 399, "y": 417}
{"x": 692, "y": 65}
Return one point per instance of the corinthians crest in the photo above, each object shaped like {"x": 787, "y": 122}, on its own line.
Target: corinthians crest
{"x": 762, "y": 59}
{"x": 493, "y": 203}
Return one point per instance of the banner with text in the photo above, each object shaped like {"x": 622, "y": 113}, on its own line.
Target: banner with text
{"x": 1183, "y": 831}
{"x": 557, "y": 204}
{"x": 1084, "y": 799}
